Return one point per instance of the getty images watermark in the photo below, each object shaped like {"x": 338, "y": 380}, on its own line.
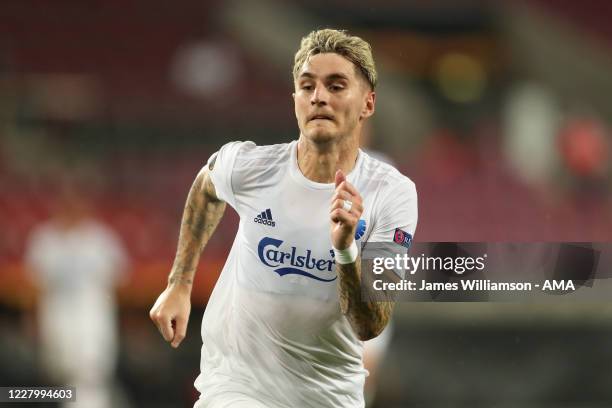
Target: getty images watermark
{"x": 484, "y": 271}
{"x": 412, "y": 264}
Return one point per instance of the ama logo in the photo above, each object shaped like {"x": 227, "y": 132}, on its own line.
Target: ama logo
{"x": 291, "y": 262}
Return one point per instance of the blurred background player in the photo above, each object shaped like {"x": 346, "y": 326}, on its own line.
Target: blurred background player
{"x": 77, "y": 262}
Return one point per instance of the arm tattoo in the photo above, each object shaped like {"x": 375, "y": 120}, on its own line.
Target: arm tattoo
{"x": 367, "y": 318}
{"x": 202, "y": 213}
{"x": 178, "y": 279}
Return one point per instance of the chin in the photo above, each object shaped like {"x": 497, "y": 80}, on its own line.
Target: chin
{"x": 320, "y": 136}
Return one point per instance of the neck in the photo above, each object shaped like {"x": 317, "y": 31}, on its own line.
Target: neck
{"x": 319, "y": 162}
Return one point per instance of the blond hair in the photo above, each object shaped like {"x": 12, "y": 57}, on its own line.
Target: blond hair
{"x": 339, "y": 42}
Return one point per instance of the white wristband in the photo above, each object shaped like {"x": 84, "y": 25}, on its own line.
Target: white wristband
{"x": 348, "y": 255}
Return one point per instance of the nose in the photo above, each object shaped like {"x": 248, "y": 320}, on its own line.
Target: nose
{"x": 319, "y": 96}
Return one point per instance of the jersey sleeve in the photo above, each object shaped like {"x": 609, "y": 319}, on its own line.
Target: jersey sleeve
{"x": 397, "y": 210}
{"x": 395, "y": 222}
{"x": 221, "y": 168}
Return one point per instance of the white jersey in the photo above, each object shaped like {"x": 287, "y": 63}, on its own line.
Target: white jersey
{"x": 273, "y": 333}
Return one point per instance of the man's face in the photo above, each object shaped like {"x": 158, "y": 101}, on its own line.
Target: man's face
{"x": 331, "y": 98}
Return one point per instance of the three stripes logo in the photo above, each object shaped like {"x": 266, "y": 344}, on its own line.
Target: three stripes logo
{"x": 265, "y": 218}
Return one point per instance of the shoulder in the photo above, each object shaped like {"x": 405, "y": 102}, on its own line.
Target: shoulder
{"x": 246, "y": 153}
{"x": 42, "y": 240}
{"x": 43, "y": 233}
{"x": 393, "y": 202}
{"x": 249, "y": 154}
{"x": 240, "y": 166}
{"x": 385, "y": 178}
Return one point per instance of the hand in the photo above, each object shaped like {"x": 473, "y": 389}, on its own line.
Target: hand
{"x": 343, "y": 222}
{"x": 170, "y": 313}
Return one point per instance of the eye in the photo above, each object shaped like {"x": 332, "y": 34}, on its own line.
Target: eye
{"x": 336, "y": 87}
{"x": 306, "y": 87}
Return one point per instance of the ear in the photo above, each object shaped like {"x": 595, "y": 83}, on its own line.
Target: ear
{"x": 293, "y": 96}
{"x": 370, "y": 105}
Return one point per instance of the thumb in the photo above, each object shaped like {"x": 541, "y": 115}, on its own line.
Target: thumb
{"x": 340, "y": 177}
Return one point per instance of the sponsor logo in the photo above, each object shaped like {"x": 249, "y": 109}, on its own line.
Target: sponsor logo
{"x": 402, "y": 238}
{"x": 292, "y": 262}
{"x": 265, "y": 218}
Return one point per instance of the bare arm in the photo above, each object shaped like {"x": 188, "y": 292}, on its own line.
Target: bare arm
{"x": 367, "y": 318}
{"x": 201, "y": 215}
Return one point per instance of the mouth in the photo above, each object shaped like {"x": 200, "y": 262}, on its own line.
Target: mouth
{"x": 321, "y": 117}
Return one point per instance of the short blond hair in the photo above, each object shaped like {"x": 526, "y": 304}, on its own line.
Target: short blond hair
{"x": 353, "y": 48}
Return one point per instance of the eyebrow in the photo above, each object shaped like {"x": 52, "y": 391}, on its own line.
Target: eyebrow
{"x": 332, "y": 77}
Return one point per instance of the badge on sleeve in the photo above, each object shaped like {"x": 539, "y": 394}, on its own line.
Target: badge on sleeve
{"x": 402, "y": 238}
{"x": 361, "y": 229}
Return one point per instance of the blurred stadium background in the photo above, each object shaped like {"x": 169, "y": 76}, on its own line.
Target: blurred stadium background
{"x": 499, "y": 111}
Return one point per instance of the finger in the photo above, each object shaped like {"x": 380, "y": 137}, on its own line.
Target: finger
{"x": 339, "y": 178}
{"x": 342, "y": 195}
{"x": 343, "y": 216}
{"x": 346, "y": 186}
{"x": 165, "y": 327}
{"x": 356, "y": 208}
{"x": 179, "y": 333}
{"x": 156, "y": 318}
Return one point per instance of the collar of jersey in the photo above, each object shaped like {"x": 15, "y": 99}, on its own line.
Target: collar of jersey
{"x": 296, "y": 173}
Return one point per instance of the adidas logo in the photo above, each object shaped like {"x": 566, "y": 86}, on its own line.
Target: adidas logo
{"x": 265, "y": 218}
